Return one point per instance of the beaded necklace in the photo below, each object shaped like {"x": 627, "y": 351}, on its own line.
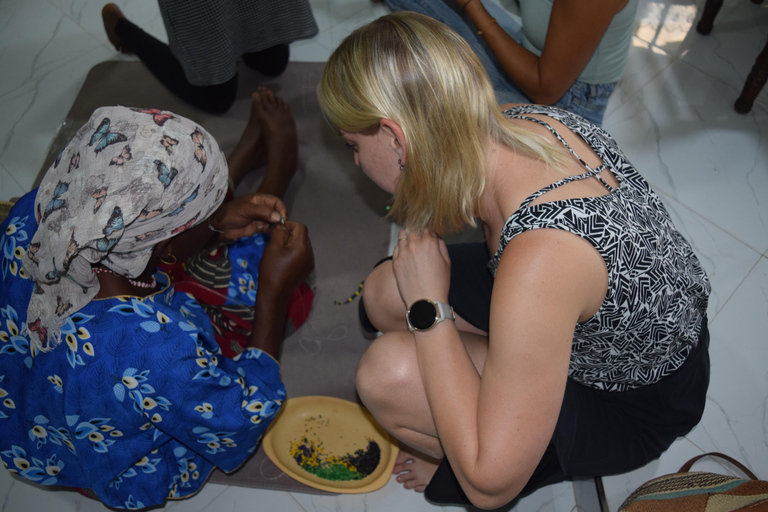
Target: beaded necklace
{"x": 138, "y": 284}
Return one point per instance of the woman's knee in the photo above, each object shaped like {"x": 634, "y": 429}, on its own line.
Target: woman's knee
{"x": 382, "y": 303}
{"x": 378, "y": 283}
{"x": 387, "y": 365}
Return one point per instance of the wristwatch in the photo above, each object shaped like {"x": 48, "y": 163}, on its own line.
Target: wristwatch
{"x": 424, "y": 314}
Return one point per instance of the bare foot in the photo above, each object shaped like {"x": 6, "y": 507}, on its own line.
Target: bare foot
{"x": 110, "y": 14}
{"x": 249, "y": 153}
{"x": 414, "y": 469}
{"x": 277, "y": 123}
{"x": 269, "y": 138}
{"x": 280, "y": 142}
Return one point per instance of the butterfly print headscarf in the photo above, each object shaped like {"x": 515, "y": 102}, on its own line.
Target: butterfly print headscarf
{"x": 129, "y": 179}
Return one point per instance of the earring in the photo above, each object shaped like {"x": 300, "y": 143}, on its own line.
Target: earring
{"x": 169, "y": 262}
{"x": 402, "y": 167}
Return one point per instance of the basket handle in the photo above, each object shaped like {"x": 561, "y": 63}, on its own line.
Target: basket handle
{"x": 687, "y": 466}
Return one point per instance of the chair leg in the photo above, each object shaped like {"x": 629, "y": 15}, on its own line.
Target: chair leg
{"x": 755, "y": 82}
{"x": 711, "y": 8}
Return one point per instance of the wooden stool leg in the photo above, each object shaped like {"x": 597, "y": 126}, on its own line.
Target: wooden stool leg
{"x": 755, "y": 82}
{"x": 711, "y": 8}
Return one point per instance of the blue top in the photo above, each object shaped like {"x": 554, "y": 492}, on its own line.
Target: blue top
{"x": 138, "y": 404}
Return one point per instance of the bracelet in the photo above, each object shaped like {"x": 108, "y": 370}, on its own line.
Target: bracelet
{"x": 464, "y": 7}
{"x": 480, "y": 32}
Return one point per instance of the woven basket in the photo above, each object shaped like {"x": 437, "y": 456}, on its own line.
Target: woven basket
{"x": 700, "y": 492}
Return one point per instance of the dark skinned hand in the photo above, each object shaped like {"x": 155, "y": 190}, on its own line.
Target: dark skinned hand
{"x": 287, "y": 261}
{"x": 247, "y": 215}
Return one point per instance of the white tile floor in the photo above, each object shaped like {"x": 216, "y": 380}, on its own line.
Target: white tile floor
{"x": 673, "y": 116}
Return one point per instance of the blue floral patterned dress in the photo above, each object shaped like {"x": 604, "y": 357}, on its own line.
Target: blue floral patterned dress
{"x": 138, "y": 405}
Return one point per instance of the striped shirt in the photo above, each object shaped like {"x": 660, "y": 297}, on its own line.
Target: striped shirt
{"x": 209, "y": 36}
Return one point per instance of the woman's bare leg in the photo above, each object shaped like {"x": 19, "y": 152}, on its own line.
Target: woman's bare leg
{"x": 386, "y": 309}
{"x": 389, "y": 384}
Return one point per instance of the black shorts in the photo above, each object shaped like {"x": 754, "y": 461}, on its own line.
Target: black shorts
{"x": 471, "y": 286}
{"x": 598, "y": 433}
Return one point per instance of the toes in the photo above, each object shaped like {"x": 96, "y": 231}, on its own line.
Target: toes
{"x": 281, "y": 103}
{"x": 399, "y": 468}
{"x": 412, "y": 470}
{"x": 267, "y": 97}
{"x": 268, "y": 100}
{"x": 410, "y": 483}
{"x": 401, "y": 465}
{"x": 403, "y": 457}
{"x": 257, "y": 102}
{"x": 260, "y": 97}
{"x": 405, "y": 477}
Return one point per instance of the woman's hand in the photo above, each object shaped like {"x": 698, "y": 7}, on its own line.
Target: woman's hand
{"x": 247, "y": 215}
{"x": 287, "y": 261}
{"x": 422, "y": 267}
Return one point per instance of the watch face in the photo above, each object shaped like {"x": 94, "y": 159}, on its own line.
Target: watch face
{"x": 422, "y": 314}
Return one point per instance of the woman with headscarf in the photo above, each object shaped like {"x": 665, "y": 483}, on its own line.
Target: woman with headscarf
{"x": 112, "y": 381}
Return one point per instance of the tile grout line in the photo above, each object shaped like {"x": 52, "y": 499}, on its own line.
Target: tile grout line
{"x": 738, "y": 287}
{"x": 669, "y": 196}
{"x": 296, "y": 500}
{"x": 5, "y": 170}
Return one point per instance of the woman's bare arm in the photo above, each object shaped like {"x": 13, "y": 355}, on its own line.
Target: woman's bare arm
{"x": 575, "y": 29}
{"x": 494, "y": 429}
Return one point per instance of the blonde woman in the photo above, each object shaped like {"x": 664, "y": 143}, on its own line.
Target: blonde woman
{"x": 581, "y": 349}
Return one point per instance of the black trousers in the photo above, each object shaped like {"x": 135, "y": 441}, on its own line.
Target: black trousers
{"x": 159, "y": 59}
{"x": 598, "y": 433}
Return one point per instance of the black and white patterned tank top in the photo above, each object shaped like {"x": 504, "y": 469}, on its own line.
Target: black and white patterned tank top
{"x": 657, "y": 290}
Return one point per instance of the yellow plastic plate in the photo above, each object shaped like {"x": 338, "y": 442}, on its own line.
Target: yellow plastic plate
{"x": 336, "y": 440}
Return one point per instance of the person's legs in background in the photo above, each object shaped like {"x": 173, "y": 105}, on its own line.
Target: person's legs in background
{"x": 270, "y": 62}
{"x": 157, "y": 56}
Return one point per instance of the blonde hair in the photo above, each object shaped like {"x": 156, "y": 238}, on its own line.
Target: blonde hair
{"x": 420, "y": 74}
